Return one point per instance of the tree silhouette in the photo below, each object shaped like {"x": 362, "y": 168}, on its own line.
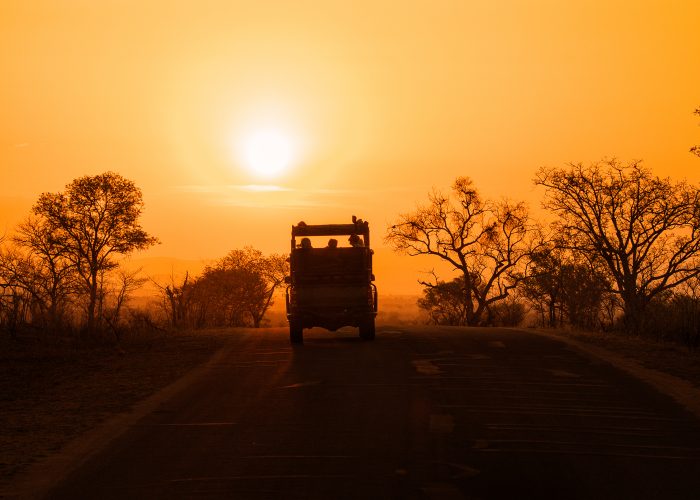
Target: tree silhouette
{"x": 544, "y": 287}
{"x": 237, "y": 290}
{"x": 93, "y": 221}
{"x": 644, "y": 229}
{"x": 487, "y": 242}
{"x": 44, "y": 272}
{"x": 265, "y": 276}
{"x": 696, "y": 149}
{"x": 114, "y": 296}
{"x": 240, "y": 287}
{"x": 175, "y": 299}
{"x": 562, "y": 288}
{"x": 444, "y": 302}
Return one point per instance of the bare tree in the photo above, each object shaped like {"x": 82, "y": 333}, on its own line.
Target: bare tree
{"x": 175, "y": 299}
{"x": 49, "y": 276}
{"x": 696, "y": 149}
{"x": 125, "y": 284}
{"x": 644, "y": 229}
{"x": 487, "y": 242}
{"x": 20, "y": 299}
{"x": 95, "y": 219}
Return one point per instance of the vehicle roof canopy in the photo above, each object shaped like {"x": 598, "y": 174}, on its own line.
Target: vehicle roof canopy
{"x": 360, "y": 228}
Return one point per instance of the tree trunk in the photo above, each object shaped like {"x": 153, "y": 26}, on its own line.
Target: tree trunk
{"x": 92, "y": 303}
{"x": 634, "y": 310}
{"x": 468, "y": 304}
{"x": 552, "y": 307}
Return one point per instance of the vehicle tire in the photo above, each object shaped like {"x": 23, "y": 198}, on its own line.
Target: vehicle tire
{"x": 296, "y": 333}
{"x": 367, "y": 330}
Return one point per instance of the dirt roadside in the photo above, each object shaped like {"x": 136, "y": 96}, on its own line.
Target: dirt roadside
{"x": 54, "y": 398}
{"x": 671, "y": 369}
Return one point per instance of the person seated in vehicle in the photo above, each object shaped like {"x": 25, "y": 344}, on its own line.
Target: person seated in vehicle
{"x": 355, "y": 241}
{"x": 305, "y": 243}
{"x": 332, "y": 243}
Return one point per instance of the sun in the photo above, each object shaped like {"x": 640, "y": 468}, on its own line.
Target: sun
{"x": 268, "y": 152}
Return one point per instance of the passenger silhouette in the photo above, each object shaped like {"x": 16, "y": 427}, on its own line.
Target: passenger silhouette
{"x": 332, "y": 243}
{"x": 305, "y": 243}
{"x": 355, "y": 241}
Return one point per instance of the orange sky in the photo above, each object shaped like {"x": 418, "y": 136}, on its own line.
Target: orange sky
{"x": 382, "y": 100}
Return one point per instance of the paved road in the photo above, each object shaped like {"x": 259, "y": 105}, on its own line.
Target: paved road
{"x": 433, "y": 413}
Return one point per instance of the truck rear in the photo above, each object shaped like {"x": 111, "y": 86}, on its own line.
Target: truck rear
{"x": 331, "y": 286}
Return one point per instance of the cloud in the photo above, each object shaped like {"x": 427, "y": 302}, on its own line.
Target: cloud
{"x": 257, "y": 188}
{"x": 262, "y": 196}
{"x": 281, "y": 197}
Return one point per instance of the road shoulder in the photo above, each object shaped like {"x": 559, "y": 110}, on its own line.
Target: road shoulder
{"x": 681, "y": 390}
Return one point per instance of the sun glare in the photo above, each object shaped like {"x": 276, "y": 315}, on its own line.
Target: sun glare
{"x": 268, "y": 153}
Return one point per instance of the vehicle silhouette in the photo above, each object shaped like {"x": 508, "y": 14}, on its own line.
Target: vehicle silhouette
{"x": 331, "y": 287}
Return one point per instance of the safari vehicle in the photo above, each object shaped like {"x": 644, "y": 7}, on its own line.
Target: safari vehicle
{"x": 331, "y": 287}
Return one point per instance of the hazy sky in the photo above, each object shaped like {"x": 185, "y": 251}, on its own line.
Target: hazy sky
{"x": 378, "y": 102}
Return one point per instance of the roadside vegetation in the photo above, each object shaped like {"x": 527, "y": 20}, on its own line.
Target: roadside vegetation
{"x": 620, "y": 254}
{"x": 60, "y": 277}
{"x": 238, "y": 290}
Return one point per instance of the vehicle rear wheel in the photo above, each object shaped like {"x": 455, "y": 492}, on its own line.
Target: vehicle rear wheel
{"x": 367, "y": 330}
{"x": 296, "y": 333}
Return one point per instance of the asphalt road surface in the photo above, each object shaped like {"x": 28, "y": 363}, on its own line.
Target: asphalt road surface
{"x": 419, "y": 413}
